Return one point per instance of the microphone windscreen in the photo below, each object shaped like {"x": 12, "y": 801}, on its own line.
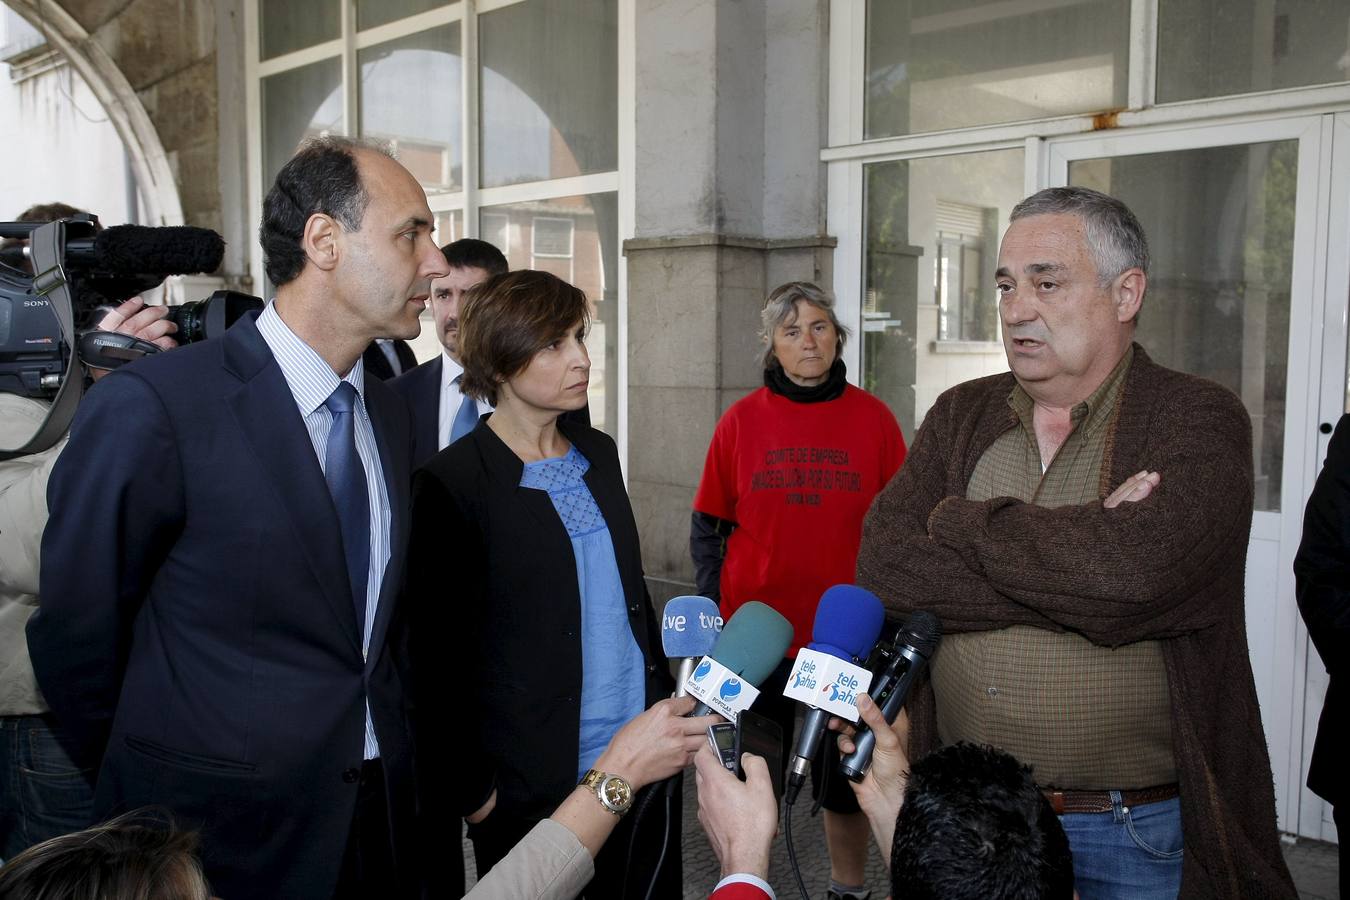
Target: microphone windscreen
{"x": 922, "y": 631}
{"x": 170, "y": 250}
{"x": 753, "y": 642}
{"x": 848, "y": 622}
{"x": 689, "y": 627}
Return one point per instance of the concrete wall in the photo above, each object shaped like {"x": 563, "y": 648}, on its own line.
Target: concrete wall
{"x": 57, "y": 145}
{"x": 730, "y": 202}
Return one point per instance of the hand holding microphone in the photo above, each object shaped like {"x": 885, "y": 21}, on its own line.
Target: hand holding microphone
{"x": 657, "y": 743}
{"x": 913, "y": 648}
{"x": 881, "y": 791}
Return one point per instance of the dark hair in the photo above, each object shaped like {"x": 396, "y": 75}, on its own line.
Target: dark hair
{"x": 48, "y": 212}
{"x": 132, "y": 857}
{"x": 471, "y": 253}
{"x": 1114, "y": 236}
{"x": 507, "y": 319}
{"x": 322, "y": 177}
{"x": 974, "y": 825}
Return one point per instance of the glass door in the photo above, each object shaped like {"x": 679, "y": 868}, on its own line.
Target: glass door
{"x": 1234, "y": 215}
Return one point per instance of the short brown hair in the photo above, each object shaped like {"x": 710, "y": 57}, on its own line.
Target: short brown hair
{"x": 137, "y": 856}
{"x": 509, "y": 318}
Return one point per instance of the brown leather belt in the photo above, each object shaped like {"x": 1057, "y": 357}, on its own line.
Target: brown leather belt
{"x": 1100, "y": 801}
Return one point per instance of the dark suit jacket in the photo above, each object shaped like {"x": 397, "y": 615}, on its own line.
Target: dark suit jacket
{"x": 377, "y": 364}
{"x": 495, "y": 615}
{"x": 197, "y": 632}
{"x": 1322, "y": 576}
{"x": 421, "y": 387}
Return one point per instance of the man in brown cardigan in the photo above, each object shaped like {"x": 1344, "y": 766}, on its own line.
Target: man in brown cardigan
{"x": 1080, "y": 527}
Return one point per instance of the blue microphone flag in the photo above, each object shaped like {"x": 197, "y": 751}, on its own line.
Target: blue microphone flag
{"x": 689, "y": 627}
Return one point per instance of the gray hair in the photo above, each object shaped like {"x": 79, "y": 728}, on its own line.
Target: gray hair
{"x": 1114, "y": 236}
{"x": 781, "y": 309}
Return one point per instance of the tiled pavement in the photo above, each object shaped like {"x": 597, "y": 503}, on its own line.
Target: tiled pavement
{"x": 1313, "y": 863}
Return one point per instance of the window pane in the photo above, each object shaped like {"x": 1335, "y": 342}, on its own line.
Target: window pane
{"x": 298, "y": 104}
{"x": 575, "y": 238}
{"x": 549, "y": 85}
{"x": 1220, "y": 225}
{"x": 449, "y": 226}
{"x": 288, "y": 25}
{"x": 939, "y": 64}
{"x": 370, "y": 13}
{"x": 930, "y": 314}
{"x": 1208, "y": 48}
{"x": 410, "y": 96}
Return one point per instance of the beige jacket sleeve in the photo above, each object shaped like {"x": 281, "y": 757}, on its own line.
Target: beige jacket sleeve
{"x": 549, "y": 863}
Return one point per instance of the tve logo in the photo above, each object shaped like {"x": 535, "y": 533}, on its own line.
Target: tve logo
{"x": 730, "y": 690}
{"x": 703, "y": 669}
{"x": 680, "y": 622}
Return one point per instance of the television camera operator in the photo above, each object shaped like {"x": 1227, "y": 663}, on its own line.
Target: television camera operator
{"x": 43, "y": 792}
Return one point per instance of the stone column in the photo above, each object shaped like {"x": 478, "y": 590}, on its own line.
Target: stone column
{"x": 730, "y": 203}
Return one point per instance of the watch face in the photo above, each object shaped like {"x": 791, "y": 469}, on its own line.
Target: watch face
{"x": 616, "y": 792}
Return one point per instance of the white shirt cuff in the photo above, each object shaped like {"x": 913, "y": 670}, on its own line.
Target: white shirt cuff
{"x": 743, "y": 878}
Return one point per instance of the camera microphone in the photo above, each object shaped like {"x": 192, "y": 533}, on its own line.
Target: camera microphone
{"x": 139, "y": 249}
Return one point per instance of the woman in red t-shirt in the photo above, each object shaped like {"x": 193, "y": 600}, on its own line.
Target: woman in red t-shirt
{"x": 778, "y": 516}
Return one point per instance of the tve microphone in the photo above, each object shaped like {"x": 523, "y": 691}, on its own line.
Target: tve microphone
{"x": 826, "y": 678}
{"x": 727, "y": 680}
{"x": 914, "y": 646}
{"x": 689, "y": 629}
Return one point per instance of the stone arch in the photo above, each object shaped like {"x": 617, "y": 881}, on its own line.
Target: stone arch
{"x": 154, "y": 175}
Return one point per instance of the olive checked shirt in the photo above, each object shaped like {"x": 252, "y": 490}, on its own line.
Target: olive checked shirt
{"x": 1084, "y": 716}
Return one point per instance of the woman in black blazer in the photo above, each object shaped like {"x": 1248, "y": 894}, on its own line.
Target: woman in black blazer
{"x": 532, "y": 638}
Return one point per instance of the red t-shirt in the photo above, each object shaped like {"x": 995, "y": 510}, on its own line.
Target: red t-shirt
{"x": 797, "y": 479}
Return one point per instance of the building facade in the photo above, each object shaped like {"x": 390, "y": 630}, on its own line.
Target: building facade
{"x": 677, "y": 159}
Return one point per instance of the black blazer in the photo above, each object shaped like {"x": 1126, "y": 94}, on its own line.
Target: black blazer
{"x": 421, "y": 387}
{"x": 197, "y": 632}
{"x": 1322, "y": 576}
{"x": 495, "y": 617}
{"x": 377, "y": 364}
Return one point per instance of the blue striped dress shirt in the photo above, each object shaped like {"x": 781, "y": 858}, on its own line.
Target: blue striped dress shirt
{"x": 311, "y": 381}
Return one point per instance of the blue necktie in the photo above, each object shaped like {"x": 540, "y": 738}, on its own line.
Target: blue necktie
{"x": 347, "y": 483}
{"x": 465, "y": 418}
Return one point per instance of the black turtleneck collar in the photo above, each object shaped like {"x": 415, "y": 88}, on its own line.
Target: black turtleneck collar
{"x": 832, "y": 388}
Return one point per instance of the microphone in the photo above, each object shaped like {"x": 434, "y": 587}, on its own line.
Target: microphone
{"x": 689, "y": 629}
{"x": 913, "y": 648}
{"x": 848, "y": 623}
{"x": 142, "y": 250}
{"x": 727, "y": 680}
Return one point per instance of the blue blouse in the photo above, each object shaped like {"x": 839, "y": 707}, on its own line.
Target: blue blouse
{"x": 612, "y": 686}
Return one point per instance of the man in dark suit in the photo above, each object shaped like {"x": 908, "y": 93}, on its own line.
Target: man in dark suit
{"x": 386, "y": 359}
{"x": 1322, "y": 579}
{"x": 219, "y": 584}
{"x": 432, "y": 389}
{"x": 441, "y": 414}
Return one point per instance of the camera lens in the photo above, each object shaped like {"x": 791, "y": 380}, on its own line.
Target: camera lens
{"x": 209, "y": 318}
{"x": 188, "y": 318}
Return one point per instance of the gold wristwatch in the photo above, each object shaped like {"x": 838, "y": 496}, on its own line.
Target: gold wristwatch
{"x": 614, "y": 793}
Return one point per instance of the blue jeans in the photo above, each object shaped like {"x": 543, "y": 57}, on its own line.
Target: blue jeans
{"x": 42, "y": 793}
{"x": 1129, "y": 853}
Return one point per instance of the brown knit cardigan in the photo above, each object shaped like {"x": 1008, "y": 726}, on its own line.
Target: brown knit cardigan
{"x": 1169, "y": 568}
